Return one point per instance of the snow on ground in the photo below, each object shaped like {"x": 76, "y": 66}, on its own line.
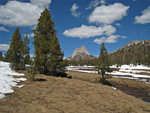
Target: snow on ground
{"x": 7, "y": 81}
{"x": 131, "y": 66}
{"x": 80, "y": 69}
{"x": 125, "y": 71}
{"x": 128, "y": 74}
{"x": 114, "y": 88}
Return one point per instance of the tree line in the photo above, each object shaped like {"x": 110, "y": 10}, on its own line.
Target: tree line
{"x": 135, "y": 54}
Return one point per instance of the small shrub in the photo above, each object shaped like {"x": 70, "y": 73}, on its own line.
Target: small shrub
{"x": 32, "y": 72}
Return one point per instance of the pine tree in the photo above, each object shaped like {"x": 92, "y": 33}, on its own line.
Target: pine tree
{"x": 26, "y": 50}
{"x": 48, "y": 56}
{"x": 103, "y": 62}
{"x": 15, "y": 52}
{"x": 57, "y": 66}
{"x": 1, "y": 56}
{"x": 7, "y": 57}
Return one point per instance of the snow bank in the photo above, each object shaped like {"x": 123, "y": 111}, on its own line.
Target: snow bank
{"x": 128, "y": 74}
{"x": 131, "y": 66}
{"x": 132, "y": 71}
{"x": 81, "y": 69}
{"x": 125, "y": 71}
{"x": 7, "y": 81}
{"x": 86, "y": 71}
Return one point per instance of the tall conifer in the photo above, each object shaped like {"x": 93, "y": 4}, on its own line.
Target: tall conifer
{"x": 26, "y": 50}
{"x": 103, "y": 62}
{"x": 7, "y": 57}
{"x": 15, "y": 52}
{"x": 48, "y": 56}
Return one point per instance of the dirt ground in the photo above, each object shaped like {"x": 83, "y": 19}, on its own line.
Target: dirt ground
{"x": 77, "y": 95}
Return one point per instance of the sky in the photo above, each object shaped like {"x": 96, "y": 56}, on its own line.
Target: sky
{"x": 78, "y": 22}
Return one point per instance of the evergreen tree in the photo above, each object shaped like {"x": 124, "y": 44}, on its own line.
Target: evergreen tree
{"x": 7, "y": 57}
{"x": 15, "y": 52}
{"x": 48, "y": 56}
{"x": 26, "y": 50}
{"x": 103, "y": 62}
{"x": 57, "y": 65}
{"x": 1, "y": 56}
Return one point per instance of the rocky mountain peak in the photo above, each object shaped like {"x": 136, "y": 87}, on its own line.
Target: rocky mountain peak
{"x": 81, "y": 53}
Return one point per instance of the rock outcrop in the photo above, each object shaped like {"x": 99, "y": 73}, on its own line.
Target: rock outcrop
{"x": 136, "y": 42}
{"x": 81, "y": 53}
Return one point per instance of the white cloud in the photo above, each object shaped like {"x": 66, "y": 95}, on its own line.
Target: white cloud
{"x": 103, "y": 15}
{"x": 16, "y": 13}
{"x": 41, "y": 3}
{"x": 122, "y": 36}
{"x": 95, "y": 3}
{"x": 89, "y": 31}
{"x": 74, "y": 10}
{"x": 109, "y": 39}
{"x": 30, "y": 35}
{"x": 3, "y": 29}
{"x": 144, "y": 18}
{"x": 4, "y": 47}
{"x": 117, "y": 24}
{"x": 108, "y": 14}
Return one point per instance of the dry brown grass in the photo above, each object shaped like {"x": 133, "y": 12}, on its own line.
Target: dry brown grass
{"x": 62, "y": 95}
{"x": 143, "y": 73}
{"x": 131, "y": 87}
{"x": 142, "y": 69}
{"x": 94, "y": 78}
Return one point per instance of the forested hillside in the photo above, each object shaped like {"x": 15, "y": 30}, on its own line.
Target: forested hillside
{"x": 135, "y": 52}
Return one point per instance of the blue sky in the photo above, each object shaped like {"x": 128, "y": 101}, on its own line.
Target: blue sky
{"x": 79, "y": 22}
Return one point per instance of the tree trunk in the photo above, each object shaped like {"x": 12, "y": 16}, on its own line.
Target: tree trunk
{"x": 103, "y": 78}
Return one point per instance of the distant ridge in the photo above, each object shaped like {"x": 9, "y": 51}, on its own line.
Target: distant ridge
{"x": 133, "y": 44}
{"x": 135, "y": 52}
{"x": 136, "y": 42}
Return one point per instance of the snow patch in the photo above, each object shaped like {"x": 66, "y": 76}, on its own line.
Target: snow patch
{"x": 20, "y": 86}
{"x": 7, "y": 81}
{"x": 114, "y": 88}
{"x": 131, "y": 66}
{"x": 125, "y": 71}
